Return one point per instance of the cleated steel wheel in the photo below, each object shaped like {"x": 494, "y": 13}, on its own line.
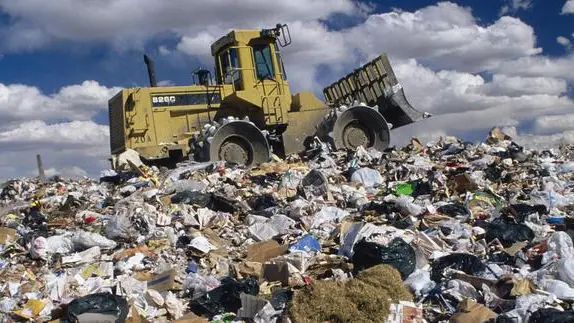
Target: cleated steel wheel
{"x": 361, "y": 126}
{"x": 234, "y": 141}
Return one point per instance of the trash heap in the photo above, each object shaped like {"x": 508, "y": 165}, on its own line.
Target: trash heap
{"x": 447, "y": 231}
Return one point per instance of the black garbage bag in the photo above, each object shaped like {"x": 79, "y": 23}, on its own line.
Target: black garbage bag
{"x": 380, "y": 207}
{"x": 280, "y": 298}
{"x": 224, "y": 298}
{"x": 421, "y": 188}
{"x": 501, "y": 258}
{"x": 100, "y": 307}
{"x": 193, "y": 198}
{"x": 453, "y": 210}
{"x": 262, "y": 202}
{"x": 551, "y": 315}
{"x": 226, "y": 204}
{"x": 521, "y": 210}
{"x": 470, "y": 264}
{"x": 402, "y": 223}
{"x": 398, "y": 254}
{"x": 508, "y": 233}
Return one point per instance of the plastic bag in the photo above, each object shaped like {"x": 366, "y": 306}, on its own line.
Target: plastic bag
{"x": 462, "y": 289}
{"x": 470, "y": 264}
{"x": 185, "y": 185}
{"x": 174, "y": 306}
{"x": 100, "y": 307}
{"x": 558, "y": 288}
{"x": 419, "y": 282}
{"x": 561, "y": 243}
{"x": 453, "y": 210}
{"x": 566, "y": 270}
{"x": 521, "y": 211}
{"x": 508, "y": 233}
{"x": 397, "y": 254}
{"x": 407, "y": 207}
{"x": 326, "y": 221}
{"x": 193, "y": 198}
{"x": 42, "y": 247}
{"x": 291, "y": 179}
{"x": 225, "y": 298}
{"x": 199, "y": 285}
{"x": 524, "y": 307}
{"x": 120, "y": 226}
{"x": 404, "y": 189}
{"x": 262, "y": 202}
{"x": 85, "y": 240}
{"x": 307, "y": 243}
{"x": 551, "y": 315}
{"x": 367, "y": 176}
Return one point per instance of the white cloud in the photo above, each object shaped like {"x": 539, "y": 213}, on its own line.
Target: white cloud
{"x": 72, "y": 148}
{"x": 133, "y": 21}
{"x": 165, "y": 83}
{"x": 564, "y": 41}
{"x": 561, "y": 67}
{"x": 520, "y": 85}
{"x": 554, "y": 123}
{"x": 38, "y": 133}
{"x": 75, "y": 102}
{"x": 66, "y": 147}
{"x": 513, "y": 6}
{"x": 445, "y": 36}
{"x": 568, "y": 7}
{"x": 464, "y": 103}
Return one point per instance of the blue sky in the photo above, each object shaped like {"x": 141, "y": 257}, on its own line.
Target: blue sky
{"x": 70, "y": 63}
{"x": 61, "y": 60}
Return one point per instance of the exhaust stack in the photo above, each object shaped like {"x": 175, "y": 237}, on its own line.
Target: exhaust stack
{"x": 150, "y": 71}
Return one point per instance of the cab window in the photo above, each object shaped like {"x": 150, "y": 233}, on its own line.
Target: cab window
{"x": 230, "y": 68}
{"x": 263, "y": 62}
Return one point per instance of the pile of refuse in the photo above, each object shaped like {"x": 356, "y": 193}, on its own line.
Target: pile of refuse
{"x": 444, "y": 231}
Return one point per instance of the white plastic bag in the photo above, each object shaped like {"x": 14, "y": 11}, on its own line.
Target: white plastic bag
{"x": 42, "y": 247}
{"x": 419, "y": 282}
{"x": 558, "y": 288}
{"x": 200, "y": 284}
{"x": 559, "y": 246}
{"x": 367, "y": 176}
{"x": 263, "y": 231}
{"x": 120, "y": 226}
{"x": 85, "y": 240}
{"x": 566, "y": 270}
{"x": 407, "y": 207}
{"x": 173, "y": 305}
{"x": 38, "y": 248}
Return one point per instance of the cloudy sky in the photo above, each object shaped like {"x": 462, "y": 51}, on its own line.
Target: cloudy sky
{"x": 472, "y": 64}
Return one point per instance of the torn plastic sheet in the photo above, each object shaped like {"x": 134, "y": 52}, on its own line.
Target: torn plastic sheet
{"x": 324, "y": 222}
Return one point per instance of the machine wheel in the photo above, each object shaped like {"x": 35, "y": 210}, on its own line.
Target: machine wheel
{"x": 360, "y": 126}
{"x": 232, "y": 140}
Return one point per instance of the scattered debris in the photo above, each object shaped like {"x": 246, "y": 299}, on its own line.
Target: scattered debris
{"x": 435, "y": 232}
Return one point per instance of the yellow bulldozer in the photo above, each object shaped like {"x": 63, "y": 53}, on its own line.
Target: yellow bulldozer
{"x": 247, "y": 112}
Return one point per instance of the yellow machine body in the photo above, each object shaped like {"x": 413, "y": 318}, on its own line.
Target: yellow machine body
{"x": 160, "y": 123}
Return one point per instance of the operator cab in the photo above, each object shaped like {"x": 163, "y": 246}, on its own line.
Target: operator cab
{"x": 250, "y": 56}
